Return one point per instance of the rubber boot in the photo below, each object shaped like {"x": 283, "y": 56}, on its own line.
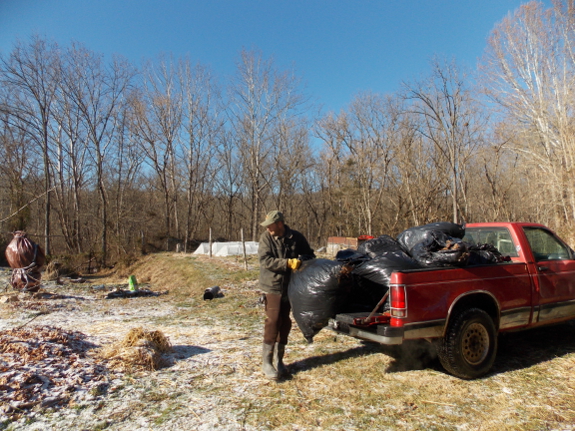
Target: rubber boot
{"x": 278, "y": 359}
{"x": 267, "y": 367}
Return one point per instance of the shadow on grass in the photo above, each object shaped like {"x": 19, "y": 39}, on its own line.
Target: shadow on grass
{"x": 96, "y": 277}
{"x": 183, "y": 352}
{"x": 331, "y": 358}
{"x": 519, "y": 350}
{"x": 51, "y": 297}
{"x": 516, "y": 351}
{"x": 411, "y": 355}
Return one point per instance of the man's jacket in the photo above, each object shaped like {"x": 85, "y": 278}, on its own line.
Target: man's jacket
{"x": 274, "y": 253}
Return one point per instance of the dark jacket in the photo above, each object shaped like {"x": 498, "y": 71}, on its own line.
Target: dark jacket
{"x": 274, "y": 253}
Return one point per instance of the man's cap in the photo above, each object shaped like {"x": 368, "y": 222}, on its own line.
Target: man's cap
{"x": 272, "y": 217}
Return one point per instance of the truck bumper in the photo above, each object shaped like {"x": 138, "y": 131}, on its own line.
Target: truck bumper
{"x": 383, "y": 334}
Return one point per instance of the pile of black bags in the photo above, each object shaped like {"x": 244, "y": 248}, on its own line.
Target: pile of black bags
{"x": 357, "y": 279}
{"x": 436, "y": 244}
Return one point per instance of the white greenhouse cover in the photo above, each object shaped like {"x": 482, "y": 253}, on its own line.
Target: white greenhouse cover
{"x": 227, "y": 248}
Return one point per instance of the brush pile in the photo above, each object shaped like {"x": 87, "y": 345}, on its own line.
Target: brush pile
{"x": 46, "y": 366}
{"x": 140, "y": 350}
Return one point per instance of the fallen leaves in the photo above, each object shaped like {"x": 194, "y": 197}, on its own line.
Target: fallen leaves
{"x": 46, "y": 366}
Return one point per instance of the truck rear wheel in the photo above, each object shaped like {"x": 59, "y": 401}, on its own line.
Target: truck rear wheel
{"x": 469, "y": 347}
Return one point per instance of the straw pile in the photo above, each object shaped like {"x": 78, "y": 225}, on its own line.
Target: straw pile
{"x": 52, "y": 271}
{"x": 139, "y": 350}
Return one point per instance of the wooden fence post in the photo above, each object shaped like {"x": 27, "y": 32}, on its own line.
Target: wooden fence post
{"x": 210, "y": 240}
{"x": 244, "y": 247}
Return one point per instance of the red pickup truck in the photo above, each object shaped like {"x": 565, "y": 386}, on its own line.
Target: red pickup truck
{"x": 464, "y": 308}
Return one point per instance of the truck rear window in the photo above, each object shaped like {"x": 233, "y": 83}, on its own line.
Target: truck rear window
{"x": 499, "y": 237}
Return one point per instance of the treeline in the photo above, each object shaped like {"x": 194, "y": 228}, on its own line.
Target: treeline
{"x": 105, "y": 159}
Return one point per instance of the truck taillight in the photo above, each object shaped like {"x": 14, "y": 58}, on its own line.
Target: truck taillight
{"x": 398, "y": 301}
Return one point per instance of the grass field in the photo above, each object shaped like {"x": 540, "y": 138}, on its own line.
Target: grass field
{"x": 337, "y": 383}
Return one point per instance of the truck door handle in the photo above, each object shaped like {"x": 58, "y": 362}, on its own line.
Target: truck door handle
{"x": 543, "y": 268}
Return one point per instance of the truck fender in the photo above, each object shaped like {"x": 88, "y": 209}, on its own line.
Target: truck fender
{"x": 474, "y": 299}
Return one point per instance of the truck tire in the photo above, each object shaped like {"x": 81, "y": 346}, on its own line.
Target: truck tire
{"x": 469, "y": 346}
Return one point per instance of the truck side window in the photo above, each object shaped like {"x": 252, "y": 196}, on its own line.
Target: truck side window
{"x": 545, "y": 245}
{"x": 499, "y": 237}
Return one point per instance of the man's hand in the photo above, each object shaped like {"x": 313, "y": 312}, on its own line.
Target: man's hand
{"x": 293, "y": 264}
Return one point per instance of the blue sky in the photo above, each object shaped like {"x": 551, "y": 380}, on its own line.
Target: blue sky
{"x": 338, "y": 48}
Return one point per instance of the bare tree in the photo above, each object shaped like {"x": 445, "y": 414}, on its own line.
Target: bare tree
{"x": 291, "y": 157}
{"x": 98, "y": 92}
{"x": 261, "y": 97}
{"x": 70, "y": 166}
{"x": 203, "y": 128}
{"x": 129, "y": 200}
{"x": 361, "y": 143}
{"x": 30, "y": 74}
{"x": 450, "y": 122}
{"x": 157, "y": 124}
{"x": 375, "y": 120}
{"x": 418, "y": 188}
{"x": 17, "y": 173}
{"x": 332, "y": 131}
{"x": 228, "y": 179}
{"x": 529, "y": 71}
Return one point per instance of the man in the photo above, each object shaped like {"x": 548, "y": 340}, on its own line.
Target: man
{"x": 280, "y": 252}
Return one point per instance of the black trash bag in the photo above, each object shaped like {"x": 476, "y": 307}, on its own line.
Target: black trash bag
{"x": 371, "y": 279}
{"x": 351, "y": 257}
{"x": 316, "y": 293}
{"x": 364, "y": 295}
{"x": 410, "y": 237}
{"x": 304, "y": 257}
{"x": 379, "y": 269}
{"x": 484, "y": 254}
{"x": 437, "y": 249}
{"x": 376, "y": 246}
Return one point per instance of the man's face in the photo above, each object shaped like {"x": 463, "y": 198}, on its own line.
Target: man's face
{"x": 276, "y": 229}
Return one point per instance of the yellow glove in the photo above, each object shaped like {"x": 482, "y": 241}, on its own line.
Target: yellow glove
{"x": 293, "y": 264}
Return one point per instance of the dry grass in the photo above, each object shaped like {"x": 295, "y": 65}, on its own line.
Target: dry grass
{"x": 342, "y": 383}
{"x": 139, "y": 350}
{"x": 184, "y": 274}
{"x": 375, "y": 387}
{"x": 51, "y": 271}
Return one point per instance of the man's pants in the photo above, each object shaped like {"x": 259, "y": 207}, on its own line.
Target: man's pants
{"x": 278, "y": 323}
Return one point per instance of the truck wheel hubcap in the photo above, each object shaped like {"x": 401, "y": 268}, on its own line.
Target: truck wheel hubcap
{"x": 475, "y": 344}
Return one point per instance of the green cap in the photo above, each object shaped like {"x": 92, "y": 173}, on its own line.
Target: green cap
{"x": 272, "y": 217}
